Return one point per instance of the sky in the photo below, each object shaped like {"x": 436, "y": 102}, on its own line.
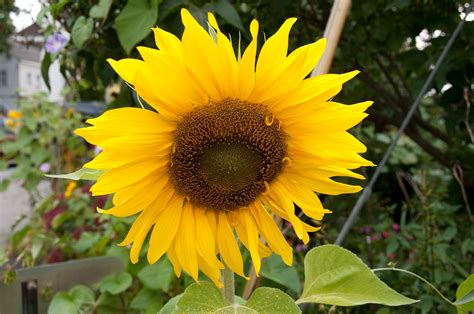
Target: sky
{"x": 29, "y": 9}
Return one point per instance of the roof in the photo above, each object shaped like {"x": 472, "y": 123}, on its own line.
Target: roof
{"x": 31, "y": 31}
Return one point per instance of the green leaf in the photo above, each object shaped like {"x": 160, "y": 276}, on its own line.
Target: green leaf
{"x": 86, "y": 241}
{"x": 203, "y": 297}
{"x": 465, "y": 294}
{"x": 274, "y": 269}
{"x": 45, "y": 64}
{"x": 81, "y": 31}
{"x": 100, "y": 10}
{"x": 62, "y": 303}
{"x": 57, "y": 7}
{"x": 170, "y": 306}
{"x": 3, "y": 257}
{"x": 116, "y": 284}
{"x": 135, "y": 21}
{"x": 81, "y": 174}
{"x": 145, "y": 299}
{"x": 36, "y": 245}
{"x": 109, "y": 304}
{"x": 271, "y": 300}
{"x": 227, "y": 11}
{"x": 58, "y": 220}
{"x": 81, "y": 294}
{"x": 41, "y": 15}
{"x": 336, "y": 276}
{"x": 157, "y": 276}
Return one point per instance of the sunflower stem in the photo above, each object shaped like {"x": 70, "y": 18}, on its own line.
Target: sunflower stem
{"x": 229, "y": 284}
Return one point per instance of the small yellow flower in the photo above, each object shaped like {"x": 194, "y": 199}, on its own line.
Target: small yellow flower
{"x": 69, "y": 188}
{"x": 232, "y": 142}
{"x": 10, "y": 123}
{"x": 13, "y": 114}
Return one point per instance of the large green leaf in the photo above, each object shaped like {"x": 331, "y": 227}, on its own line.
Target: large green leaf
{"x": 100, "y": 10}
{"x": 81, "y": 174}
{"x": 170, "y": 306}
{"x": 336, "y": 276}
{"x": 81, "y": 31}
{"x": 145, "y": 299}
{"x": 204, "y": 297}
{"x": 465, "y": 295}
{"x": 201, "y": 297}
{"x": 135, "y": 21}
{"x": 82, "y": 295}
{"x": 157, "y": 276}
{"x": 62, "y": 303}
{"x": 115, "y": 284}
{"x": 274, "y": 269}
{"x": 271, "y": 300}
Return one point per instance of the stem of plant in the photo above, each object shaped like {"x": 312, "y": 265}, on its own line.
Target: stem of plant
{"x": 419, "y": 277}
{"x": 229, "y": 284}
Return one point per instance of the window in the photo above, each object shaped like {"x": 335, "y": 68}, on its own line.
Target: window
{"x": 28, "y": 77}
{"x": 3, "y": 78}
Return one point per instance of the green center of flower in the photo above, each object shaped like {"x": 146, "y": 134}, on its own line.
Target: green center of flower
{"x": 225, "y": 153}
{"x": 229, "y": 167}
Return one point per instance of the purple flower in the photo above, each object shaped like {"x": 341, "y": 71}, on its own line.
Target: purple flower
{"x": 300, "y": 248}
{"x": 55, "y": 43}
{"x": 396, "y": 227}
{"x": 45, "y": 167}
{"x": 366, "y": 230}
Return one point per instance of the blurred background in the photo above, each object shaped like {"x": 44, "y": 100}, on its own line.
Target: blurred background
{"x": 54, "y": 75}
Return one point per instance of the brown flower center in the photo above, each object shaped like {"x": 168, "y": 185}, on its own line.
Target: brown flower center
{"x": 225, "y": 152}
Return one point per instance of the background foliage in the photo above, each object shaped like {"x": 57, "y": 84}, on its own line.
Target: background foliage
{"x": 419, "y": 215}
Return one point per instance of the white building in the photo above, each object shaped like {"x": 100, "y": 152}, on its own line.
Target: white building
{"x": 20, "y": 71}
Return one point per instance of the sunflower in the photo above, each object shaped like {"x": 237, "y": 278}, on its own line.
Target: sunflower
{"x": 234, "y": 142}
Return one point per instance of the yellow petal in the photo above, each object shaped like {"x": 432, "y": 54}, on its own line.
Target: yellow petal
{"x": 174, "y": 260}
{"x": 126, "y": 68}
{"x": 139, "y": 201}
{"x": 185, "y": 242}
{"x": 246, "y": 71}
{"x": 206, "y": 239}
{"x": 286, "y": 77}
{"x": 248, "y": 233}
{"x": 314, "y": 90}
{"x": 335, "y": 117}
{"x": 228, "y": 246}
{"x": 275, "y": 48}
{"x": 272, "y": 233}
{"x": 199, "y": 55}
{"x": 212, "y": 272}
{"x": 168, "y": 42}
{"x": 124, "y": 176}
{"x": 166, "y": 226}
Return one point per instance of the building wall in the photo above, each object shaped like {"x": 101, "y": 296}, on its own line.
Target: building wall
{"x": 9, "y": 93}
{"x": 30, "y": 80}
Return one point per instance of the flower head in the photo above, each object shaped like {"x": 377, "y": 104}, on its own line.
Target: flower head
{"x": 45, "y": 167}
{"x": 10, "y": 123}
{"x": 234, "y": 141}
{"x": 69, "y": 188}
{"x": 13, "y": 114}
{"x": 55, "y": 43}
